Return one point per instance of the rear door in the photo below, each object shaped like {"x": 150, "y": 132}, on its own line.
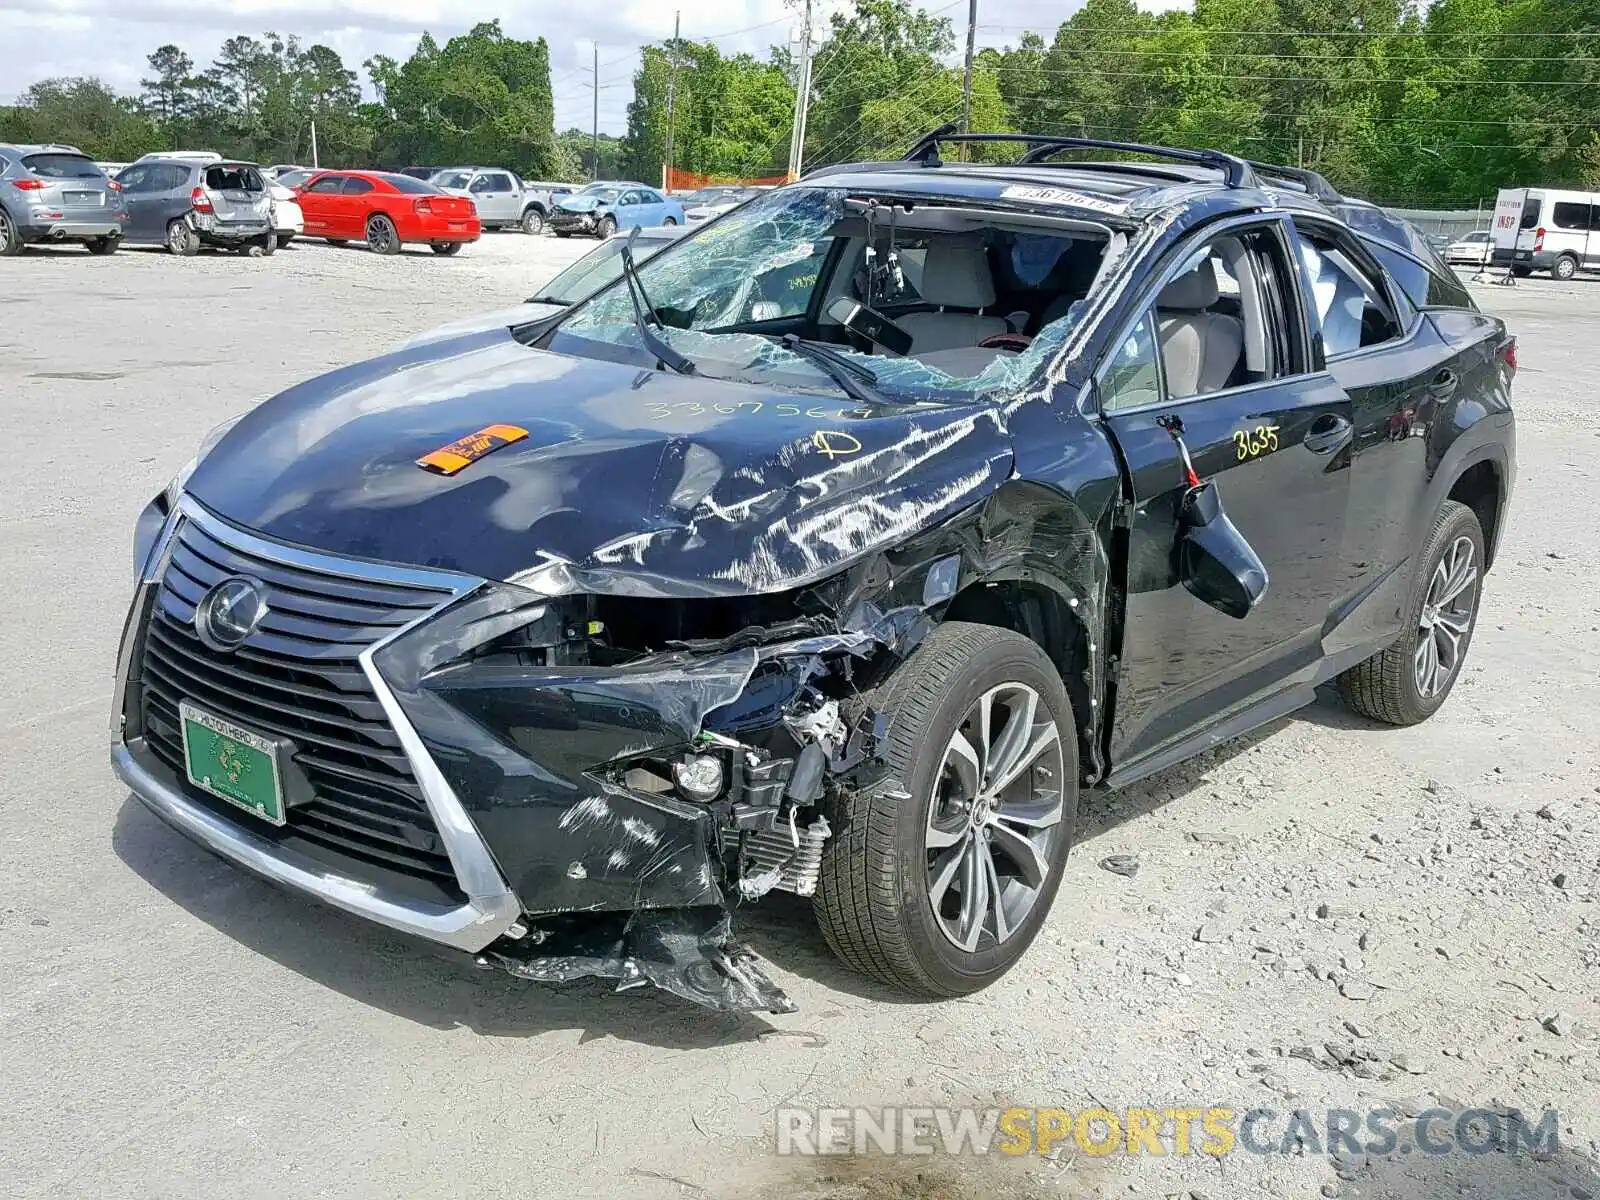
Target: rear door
{"x": 72, "y": 184}
{"x": 1224, "y": 346}
{"x": 355, "y": 205}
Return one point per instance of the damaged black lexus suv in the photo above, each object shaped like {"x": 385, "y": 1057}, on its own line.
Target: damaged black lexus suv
{"x": 835, "y": 550}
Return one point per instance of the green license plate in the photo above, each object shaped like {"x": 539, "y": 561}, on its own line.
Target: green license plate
{"x": 232, "y": 763}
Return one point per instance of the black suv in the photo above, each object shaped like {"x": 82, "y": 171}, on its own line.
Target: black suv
{"x": 835, "y": 549}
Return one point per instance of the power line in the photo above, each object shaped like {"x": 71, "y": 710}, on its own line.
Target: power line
{"x": 1371, "y": 34}
{"x": 1344, "y": 81}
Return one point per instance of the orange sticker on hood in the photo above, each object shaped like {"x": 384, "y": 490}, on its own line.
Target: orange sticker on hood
{"x": 463, "y": 452}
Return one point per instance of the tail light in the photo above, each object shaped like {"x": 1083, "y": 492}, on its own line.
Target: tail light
{"x": 28, "y": 185}
{"x": 113, "y": 185}
{"x": 423, "y": 206}
{"x": 1508, "y": 354}
{"x": 1538, "y": 239}
{"x": 199, "y": 201}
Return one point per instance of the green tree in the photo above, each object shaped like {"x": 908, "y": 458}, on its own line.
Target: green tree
{"x": 83, "y": 113}
{"x": 167, "y": 92}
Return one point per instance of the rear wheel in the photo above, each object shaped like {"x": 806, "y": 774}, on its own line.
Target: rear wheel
{"x": 103, "y": 245}
{"x": 1408, "y": 682}
{"x": 1566, "y": 267}
{"x": 670, "y": 221}
{"x": 10, "y": 240}
{"x": 262, "y": 246}
{"x": 533, "y": 222}
{"x": 382, "y": 237}
{"x": 1521, "y": 272}
{"x": 446, "y": 248}
{"x": 938, "y": 888}
{"x": 181, "y": 240}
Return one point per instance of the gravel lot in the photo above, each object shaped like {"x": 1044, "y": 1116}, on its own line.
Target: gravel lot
{"x": 171, "y": 1027}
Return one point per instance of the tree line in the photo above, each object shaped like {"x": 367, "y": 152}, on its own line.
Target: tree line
{"x": 1435, "y": 105}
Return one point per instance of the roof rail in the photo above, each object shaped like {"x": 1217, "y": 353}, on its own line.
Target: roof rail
{"x": 1236, "y": 171}
{"x": 1314, "y": 184}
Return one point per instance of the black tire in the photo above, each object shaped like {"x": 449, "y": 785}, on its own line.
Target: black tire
{"x": 336, "y": 241}
{"x": 562, "y": 233}
{"x": 382, "y": 236}
{"x": 181, "y": 240}
{"x": 1565, "y": 268}
{"x": 10, "y": 239}
{"x": 284, "y": 239}
{"x": 447, "y": 248}
{"x": 670, "y": 221}
{"x": 533, "y": 222}
{"x": 1521, "y": 272}
{"x": 262, "y": 247}
{"x": 874, "y": 898}
{"x": 607, "y": 227}
{"x": 103, "y": 245}
{"x": 1386, "y": 687}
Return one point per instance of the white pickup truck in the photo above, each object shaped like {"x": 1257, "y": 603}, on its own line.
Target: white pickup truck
{"x": 502, "y": 199}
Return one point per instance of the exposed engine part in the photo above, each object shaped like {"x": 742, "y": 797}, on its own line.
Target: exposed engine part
{"x": 784, "y": 858}
{"x": 821, "y": 725}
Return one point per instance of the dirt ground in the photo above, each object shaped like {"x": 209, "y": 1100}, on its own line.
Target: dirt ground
{"x": 1327, "y": 914}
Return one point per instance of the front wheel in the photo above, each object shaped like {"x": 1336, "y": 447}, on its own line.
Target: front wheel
{"x": 1566, "y": 267}
{"x": 181, "y": 240}
{"x": 533, "y": 222}
{"x": 382, "y": 237}
{"x": 938, "y": 887}
{"x": 103, "y": 245}
{"x": 608, "y": 226}
{"x": 446, "y": 248}
{"x": 1408, "y": 682}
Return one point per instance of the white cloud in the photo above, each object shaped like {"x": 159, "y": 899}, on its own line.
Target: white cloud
{"x": 110, "y": 38}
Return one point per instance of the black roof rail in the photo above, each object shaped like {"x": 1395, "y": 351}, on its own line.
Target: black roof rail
{"x": 1236, "y": 171}
{"x": 1314, "y": 184}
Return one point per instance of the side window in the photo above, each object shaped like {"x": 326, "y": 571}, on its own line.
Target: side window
{"x": 135, "y": 179}
{"x": 173, "y": 177}
{"x": 651, "y": 198}
{"x": 482, "y": 183}
{"x": 786, "y": 291}
{"x": 1134, "y": 378}
{"x": 629, "y": 198}
{"x": 1423, "y": 286}
{"x": 1530, "y": 213}
{"x": 1568, "y": 215}
{"x": 1349, "y": 301}
{"x": 356, "y": 186}
{"x": 327, "y": 184}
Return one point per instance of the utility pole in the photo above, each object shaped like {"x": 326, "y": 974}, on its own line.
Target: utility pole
{"x": 966, "y": 77}
{"x": 672, "y": 95}
{"x": 314, "y": 163}
{"x": 595, "y": 142}
{"x": 802, "y": 99}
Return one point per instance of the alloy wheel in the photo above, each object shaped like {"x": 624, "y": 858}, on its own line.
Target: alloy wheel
{"x": 5, "y": 233}
{"x": 1447, "y": 614}
{"x": 994, "y": 817}
{"x": 378, "y": 234}
{"x": 177, "y": 237}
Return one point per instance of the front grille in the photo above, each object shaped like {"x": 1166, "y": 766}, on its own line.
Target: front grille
{"x": 297, "y": 677}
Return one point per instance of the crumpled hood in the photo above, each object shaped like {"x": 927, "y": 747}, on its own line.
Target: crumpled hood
{"x": 580, "y": 204}
{"x": 631, "y": 481}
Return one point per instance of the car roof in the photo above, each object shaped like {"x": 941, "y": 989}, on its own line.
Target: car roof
{"x": 41, "y": 148}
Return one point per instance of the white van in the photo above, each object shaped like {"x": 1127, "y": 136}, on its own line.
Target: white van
{"x": 1545, "y": 229}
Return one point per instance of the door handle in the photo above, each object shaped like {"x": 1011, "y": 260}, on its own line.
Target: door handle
{"x": 1327, "y": 433}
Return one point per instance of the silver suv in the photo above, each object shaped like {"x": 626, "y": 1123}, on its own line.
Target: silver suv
{"x": 56, "y": 194}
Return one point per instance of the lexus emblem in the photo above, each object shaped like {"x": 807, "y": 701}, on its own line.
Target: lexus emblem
{"x": 230, "y": 612}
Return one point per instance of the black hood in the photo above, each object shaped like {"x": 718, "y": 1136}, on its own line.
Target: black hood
{"x": 630, "y": 481}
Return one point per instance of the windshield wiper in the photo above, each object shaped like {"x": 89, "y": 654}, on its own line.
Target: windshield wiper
{"x": 855, "y": 380}
{"x": 548, "y": 300}
{"x": 665, "y": 354}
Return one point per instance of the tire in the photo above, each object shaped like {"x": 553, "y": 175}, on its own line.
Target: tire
{"x": 336, "y": 241}
{"x": 181, "y": 240}
{"x": 876, "y": 896}
{"x": 670, "y": 221}
{"x": 608, "y": 226}
{"x": 1521, "y": 272}
{"x": 382, "y": 236}
{"x": 284, "y": 239}
{"x": 1389, "y": 686}
{"x": 533, "y": 222}
{"x": 10, "y": 239}
{"x": 103, "y": 245}
{"x": 447, "y": 248}
{"x": 563, "y": 233}
{"x": 263, "y": 247}
{"x": 1565, "y": 268}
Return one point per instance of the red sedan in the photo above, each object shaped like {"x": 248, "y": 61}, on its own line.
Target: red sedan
{"x": 385, "y": 211}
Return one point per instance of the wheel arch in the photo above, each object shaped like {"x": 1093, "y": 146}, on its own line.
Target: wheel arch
{"x": 1481, "y": 487}
{"x": 537, "y": 206}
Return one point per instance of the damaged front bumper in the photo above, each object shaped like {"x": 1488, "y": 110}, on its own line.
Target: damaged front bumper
{"x": 547, "y": 779}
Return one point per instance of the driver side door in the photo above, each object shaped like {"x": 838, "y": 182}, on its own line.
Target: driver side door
{"x": 1224, "y": 347}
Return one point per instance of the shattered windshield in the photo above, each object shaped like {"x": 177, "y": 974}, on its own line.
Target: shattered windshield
{"x": 982, "y": 300}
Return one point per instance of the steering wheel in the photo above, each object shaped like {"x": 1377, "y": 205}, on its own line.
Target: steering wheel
{"x": 1015, "y": 342}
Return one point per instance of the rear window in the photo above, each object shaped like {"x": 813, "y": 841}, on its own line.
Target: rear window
{"x": 63, "y": 166}
{"x": 415, "y": 187}
{"x": 1425, "y": 287}
{"x": 1530, "y": 213}
{"x": 234, "y": 178}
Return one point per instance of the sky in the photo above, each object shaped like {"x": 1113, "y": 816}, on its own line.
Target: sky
{"x": 110, "y": 38}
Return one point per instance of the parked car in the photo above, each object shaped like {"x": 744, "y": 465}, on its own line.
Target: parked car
{"x": 713, "y": 202}
{"x": 294, "y": 177}
{"x": 56, "y": 194}
{"x": 596, "y": 269}
{"x": 499, "y": 195}
{"x": 601, "y": 210}
{"x": 287, "y": 218}
{"x": 386, "y": 211}
{"x": 279, "y": 169}
{"x": 769, "y": 568}
{"x": 1547, "y": 229}
{"x": 187, "y": 202}
{"x": 1474, "y": 249}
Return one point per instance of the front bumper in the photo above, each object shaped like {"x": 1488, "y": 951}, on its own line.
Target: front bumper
{"x": 569, "y": 222}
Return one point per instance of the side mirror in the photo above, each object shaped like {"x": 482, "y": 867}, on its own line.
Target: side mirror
{"x": 1216, "y": 564}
